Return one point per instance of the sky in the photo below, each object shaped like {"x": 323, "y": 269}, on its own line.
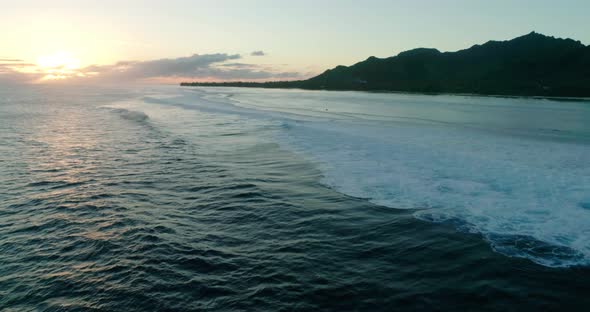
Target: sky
{"x": 176, "y": 40}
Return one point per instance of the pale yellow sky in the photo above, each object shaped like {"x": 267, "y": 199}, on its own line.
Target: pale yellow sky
{"x": 304, "y": 37}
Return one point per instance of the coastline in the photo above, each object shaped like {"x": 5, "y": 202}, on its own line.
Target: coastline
{"x": 538, "y": 97}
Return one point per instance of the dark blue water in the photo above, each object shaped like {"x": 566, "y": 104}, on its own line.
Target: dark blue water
{"x": 110, "y": 202}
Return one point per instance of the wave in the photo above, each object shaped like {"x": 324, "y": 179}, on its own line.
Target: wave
{"x": 527, "y": 195}
{"x": 131, "y": 114}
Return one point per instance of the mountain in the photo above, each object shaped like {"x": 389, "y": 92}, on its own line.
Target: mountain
{"x": 530, "y": 65}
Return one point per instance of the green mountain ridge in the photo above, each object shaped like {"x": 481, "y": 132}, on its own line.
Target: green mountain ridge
{"x": 530, "y": 65}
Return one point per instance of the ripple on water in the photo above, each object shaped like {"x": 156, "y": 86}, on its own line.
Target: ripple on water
{"x": 154, "y": 218}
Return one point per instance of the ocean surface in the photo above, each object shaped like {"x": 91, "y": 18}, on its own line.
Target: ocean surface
{"x": 162, "y": 198}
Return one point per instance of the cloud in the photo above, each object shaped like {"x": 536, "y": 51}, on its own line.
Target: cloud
{"x": 16, "y": 71}
{"x": 258, "y": 53}
{"x": 239, "y": 65}
{"x": 195, "y": 67}
{"x": 204, "y": 67}
{"x": 11, "y": 76}
{"x": 16, "y": 64}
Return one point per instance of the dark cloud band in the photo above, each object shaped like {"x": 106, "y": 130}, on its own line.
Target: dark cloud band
{"x": 219, "y": 66}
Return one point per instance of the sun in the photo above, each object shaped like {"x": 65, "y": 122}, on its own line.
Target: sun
{"x": 59, "y": 65}
{"x": 58, "y": 60}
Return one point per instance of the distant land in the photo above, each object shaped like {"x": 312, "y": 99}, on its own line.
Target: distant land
{"x": 530, "y": 65}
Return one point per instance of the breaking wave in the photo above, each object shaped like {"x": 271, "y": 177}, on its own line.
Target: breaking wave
{"x": 131, "y": 115}
{"x": 525, "y": 190}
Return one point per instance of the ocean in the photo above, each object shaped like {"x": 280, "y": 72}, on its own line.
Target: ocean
{"x": 164, "y": 198}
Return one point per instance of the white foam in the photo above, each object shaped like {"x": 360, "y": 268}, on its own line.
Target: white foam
{"x": 498, "y": 186}
{"x": 131, "y": 114}
{"x": 522, "y": 184}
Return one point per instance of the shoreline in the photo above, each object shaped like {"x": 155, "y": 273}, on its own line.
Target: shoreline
{"x": 537, "y": 97}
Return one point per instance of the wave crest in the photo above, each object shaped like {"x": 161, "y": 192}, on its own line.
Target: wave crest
{"x": 131, "y": 114}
